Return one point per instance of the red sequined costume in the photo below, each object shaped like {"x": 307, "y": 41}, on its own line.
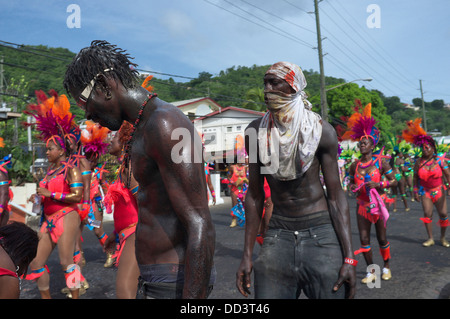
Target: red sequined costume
{"x": 430, "y": 179}
{"x": 363, "y": 197}
{"x": 54, "y": 210}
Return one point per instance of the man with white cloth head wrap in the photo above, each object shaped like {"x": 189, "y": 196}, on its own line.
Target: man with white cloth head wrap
{"x": 291, "y": 122}
{"x": 308, "y": 244}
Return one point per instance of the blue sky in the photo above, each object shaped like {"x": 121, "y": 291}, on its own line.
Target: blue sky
{"x": 186, "y": 37}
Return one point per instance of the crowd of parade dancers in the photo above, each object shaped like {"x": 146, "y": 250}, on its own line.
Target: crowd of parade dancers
{"x": 75, "y": 192}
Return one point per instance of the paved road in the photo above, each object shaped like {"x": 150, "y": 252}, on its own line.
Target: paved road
{"x": 417, "y": 272}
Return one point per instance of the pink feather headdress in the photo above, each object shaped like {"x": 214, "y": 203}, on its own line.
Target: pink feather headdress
{"x": 53, "y": 117}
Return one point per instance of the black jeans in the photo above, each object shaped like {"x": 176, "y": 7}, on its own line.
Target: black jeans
{"x": 294, "y": 260}
{"x": 165, "y": 281}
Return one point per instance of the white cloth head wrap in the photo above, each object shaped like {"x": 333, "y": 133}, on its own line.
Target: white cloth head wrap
{"x": 290, "y": 124}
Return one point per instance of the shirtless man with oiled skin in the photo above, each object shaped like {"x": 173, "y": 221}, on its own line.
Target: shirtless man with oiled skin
{"x": 175, "y": 236}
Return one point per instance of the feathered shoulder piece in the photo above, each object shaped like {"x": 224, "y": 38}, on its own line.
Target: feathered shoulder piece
{"x": 93, "y": 138}
{"x": 362, "y": 124}
{"x": 415, "y": 134}
{"x": 52, "y": 115}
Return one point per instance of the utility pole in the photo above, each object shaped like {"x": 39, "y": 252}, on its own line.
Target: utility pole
{"x": 423, "y": 108}
{"x": 323, "y": 93}
{"x": 1, "y": 81}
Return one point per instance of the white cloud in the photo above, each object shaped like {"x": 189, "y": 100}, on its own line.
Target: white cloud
{"x": 177, "y": 23}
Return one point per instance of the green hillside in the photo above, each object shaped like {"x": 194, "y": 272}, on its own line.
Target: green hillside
{"x": 30, "y": 68}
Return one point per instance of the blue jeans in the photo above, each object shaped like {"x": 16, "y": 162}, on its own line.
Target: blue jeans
{"x": 291, "y": 261}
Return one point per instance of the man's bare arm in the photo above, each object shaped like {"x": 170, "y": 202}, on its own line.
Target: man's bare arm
{"x": 254, "y": 202}
{"x": 185, "y": 184}
{"x": 337, "y": 202}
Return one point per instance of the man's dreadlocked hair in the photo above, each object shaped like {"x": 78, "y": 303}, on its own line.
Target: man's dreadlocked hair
{"x": 101, "y": 55}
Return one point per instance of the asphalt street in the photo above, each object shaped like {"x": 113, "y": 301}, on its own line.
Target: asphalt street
{"x": 417, "y": 272}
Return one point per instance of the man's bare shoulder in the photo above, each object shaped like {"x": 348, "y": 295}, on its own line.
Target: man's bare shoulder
{"x": 165, "y": 127}
{"x": 165, "y": 117}
{"x": 328, "y": 141}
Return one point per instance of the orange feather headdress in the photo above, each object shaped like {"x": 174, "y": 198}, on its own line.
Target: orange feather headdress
{"x": 415, "y": 134}
{"x": 361, "y": 125}
{"x": 93, "y": 139}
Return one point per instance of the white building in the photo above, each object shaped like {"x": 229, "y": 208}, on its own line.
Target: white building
{"x": 222, "y": 128}
{"x": 195, "y": 108}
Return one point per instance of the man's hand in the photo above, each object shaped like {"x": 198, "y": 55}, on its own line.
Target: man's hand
{"x": 243, "y": 277}
{"x": 347, "y": 275}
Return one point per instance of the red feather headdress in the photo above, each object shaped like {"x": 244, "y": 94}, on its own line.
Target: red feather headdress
{"x": 93, "y": 138}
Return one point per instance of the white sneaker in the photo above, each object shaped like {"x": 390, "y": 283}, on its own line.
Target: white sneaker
{"x": 370, "y": 277}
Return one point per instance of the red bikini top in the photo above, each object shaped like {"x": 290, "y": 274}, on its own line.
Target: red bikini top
{"x": 432, "y": 177}
{"x": 375, "y": 176}
{"x": 57, "y": 183}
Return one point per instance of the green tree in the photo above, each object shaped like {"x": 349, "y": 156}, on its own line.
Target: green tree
{"x": 437, "y": 104}
{"x": 255, "y": 100}
{"x": 16, "y": 138}
{"x": 341, "y": 103}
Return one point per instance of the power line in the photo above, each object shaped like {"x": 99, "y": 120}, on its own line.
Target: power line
{"x": 27, "y": 68}
{"x": 167, "y": 74}
{"x": 38, "y": 49}
{"x": 356, "y": 57}
{"x": 362, "y": 48}
{"x": 299, "y": 41}
{"x": 270, "y": 14}
{"x": 299, "y": 26}
{"x": 295, "y": 6}
{"x": 281, "y": 30}
{"x": 328, "y": 55}
{"x": 142, "y": 70}
{"x": 281, "y": 18}
{"x": 35, "y": 53}
{"x": 377, "y": 46}
{"x": 205, "y": 93}
{"x": 373, "y": 48}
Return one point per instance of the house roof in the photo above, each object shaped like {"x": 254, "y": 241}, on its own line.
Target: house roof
{"x": 5, "y": 114}
{"x": 231, "y": 108}
{"x": 192, "y": 101}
